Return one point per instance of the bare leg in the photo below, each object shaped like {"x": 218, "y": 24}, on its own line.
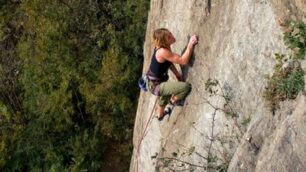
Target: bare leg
{"x": 174, "y": 99}
{"x": 160, "y": 111}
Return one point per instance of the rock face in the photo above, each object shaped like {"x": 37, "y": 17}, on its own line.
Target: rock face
{"x": 237, "y": 43}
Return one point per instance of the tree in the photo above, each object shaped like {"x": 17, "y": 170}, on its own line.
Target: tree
{"x": 78, "y": 62}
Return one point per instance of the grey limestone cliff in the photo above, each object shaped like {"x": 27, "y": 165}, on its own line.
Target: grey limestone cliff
{"x": 237, "y": 43}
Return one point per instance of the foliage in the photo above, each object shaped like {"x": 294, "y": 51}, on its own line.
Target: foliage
{"x": 213, "y": 87}
{"x": 246, "y": 121}
{"x": 10, "y": 32}
{"x": 288, "y": 77}
{"x": 67, "y": 91}
{"x": 176, "y": 160}
{"x": 295, "y": 38}
{"x": 292, "y": 84}
{"x": 285, "y": 83}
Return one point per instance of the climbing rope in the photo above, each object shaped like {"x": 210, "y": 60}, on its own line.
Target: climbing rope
{"x": 144, "y": 134}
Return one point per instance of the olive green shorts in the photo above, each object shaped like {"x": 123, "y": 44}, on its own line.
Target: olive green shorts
{"x": 171, "y": 88}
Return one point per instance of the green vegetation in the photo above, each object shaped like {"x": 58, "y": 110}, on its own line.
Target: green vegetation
{"x": 288, "y": 77}
{"x": 295, "y": 38}
{"x": 246, "y": 121}
{"x": 67, "y": 92}
{"x": 213, "y": 87}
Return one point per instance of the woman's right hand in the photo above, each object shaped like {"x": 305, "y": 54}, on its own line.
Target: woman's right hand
{"x": 193, "y": 40}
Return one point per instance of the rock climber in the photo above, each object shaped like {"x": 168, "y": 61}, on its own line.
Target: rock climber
{"x": 163, "y": 59}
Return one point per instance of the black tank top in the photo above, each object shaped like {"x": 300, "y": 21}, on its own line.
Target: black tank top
{"x": 159, "y": 69}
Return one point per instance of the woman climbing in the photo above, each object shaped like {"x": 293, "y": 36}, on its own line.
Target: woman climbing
{"x": 162, "y": 60}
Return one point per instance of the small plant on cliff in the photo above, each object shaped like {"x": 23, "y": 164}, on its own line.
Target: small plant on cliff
{"x": 288, "y": 77}
{"x": 213, "y": 87}
{"x": 285, "y": 83}
{"x": 221, "y": 161}
{"x": 295, "y": 37}
{"x": 175, "y": 161}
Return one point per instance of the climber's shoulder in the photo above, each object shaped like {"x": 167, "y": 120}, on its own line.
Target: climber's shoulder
{"x": 167, "y": 54}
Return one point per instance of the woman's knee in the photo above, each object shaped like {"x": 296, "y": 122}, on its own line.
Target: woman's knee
{"x": 186, "y": 90}
{"x": 188, "y": 87}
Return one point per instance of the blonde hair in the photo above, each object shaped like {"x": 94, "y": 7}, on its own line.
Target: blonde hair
{"x": 159, "y": 38}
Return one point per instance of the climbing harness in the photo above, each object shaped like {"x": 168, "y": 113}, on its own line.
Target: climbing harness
{"x": 154, "y": 82}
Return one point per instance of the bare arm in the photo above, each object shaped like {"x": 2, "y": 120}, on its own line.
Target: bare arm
{"x": 176, "y": 73}
{"x": 184, "y": 59}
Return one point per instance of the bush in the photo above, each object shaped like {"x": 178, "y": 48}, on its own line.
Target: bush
{"x": 285, "y": 83}
{"x": 288, "y": 77}
{"x": 295, "y": 38}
